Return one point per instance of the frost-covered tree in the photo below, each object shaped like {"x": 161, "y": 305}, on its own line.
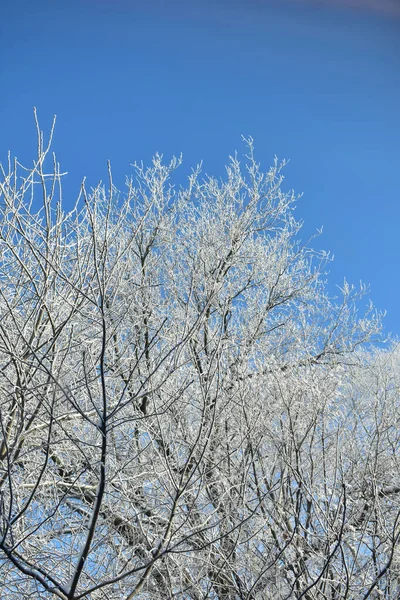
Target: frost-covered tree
{"x": 184, "y": 411}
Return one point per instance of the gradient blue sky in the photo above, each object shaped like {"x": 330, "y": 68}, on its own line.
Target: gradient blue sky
{"x": 315, "y": 81}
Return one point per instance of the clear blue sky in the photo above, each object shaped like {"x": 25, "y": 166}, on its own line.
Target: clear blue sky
{"x": 314, "y": 81}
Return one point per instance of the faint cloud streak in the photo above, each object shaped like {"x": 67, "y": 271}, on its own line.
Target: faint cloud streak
{"x": 387, "y": 8}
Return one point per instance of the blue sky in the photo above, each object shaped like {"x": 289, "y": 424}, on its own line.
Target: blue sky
{"x": 314, "y": 81}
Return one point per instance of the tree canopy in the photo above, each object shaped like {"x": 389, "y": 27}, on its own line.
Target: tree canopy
{"x": 185, "y": 411}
